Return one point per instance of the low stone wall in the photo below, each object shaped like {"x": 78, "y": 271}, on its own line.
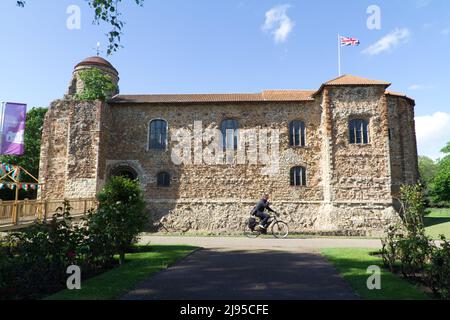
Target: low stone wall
{"x": 229, "y": 217}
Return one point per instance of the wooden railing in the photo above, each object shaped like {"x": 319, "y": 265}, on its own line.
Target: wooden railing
{"x": 23, "y": 212}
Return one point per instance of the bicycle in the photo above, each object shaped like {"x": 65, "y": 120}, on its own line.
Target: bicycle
{"x": 280, "y": 229}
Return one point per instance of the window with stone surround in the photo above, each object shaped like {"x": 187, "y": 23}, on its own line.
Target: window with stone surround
{"x": 230, "y": 132}
{"x": 158, "y": 134}
{"x": 163, "y": 179}
{"x": 297, "y": 134}
{"x": 358, "y": 131}
{"x": 298, "y": 176}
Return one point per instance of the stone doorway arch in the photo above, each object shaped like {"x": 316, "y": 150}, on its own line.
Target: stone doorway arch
{"x": 124, "y": 171}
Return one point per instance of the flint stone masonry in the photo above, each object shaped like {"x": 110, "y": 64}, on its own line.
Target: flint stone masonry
{"x": 349, "y": 191}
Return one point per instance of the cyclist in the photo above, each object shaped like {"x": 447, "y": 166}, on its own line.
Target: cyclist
{"x": 259, "y": 209}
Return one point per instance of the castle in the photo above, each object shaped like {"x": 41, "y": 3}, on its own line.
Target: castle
{"x": 341, "y": 153}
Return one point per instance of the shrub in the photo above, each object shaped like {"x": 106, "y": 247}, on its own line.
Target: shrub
{"x": 439, "y": 271}
{"x": 390, "y": 247}
{"x": 413, "y": 208}
{"x": 35, "y": 259}
{"x": 120, "y": 217}
{"x": 407, "y": 244}
{"x": 413, "y": 252}
{"x": 97, "y": 85}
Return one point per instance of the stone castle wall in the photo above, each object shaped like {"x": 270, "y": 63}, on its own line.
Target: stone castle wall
{"x": 219, "y": 198}
{"x": 129, "y": 144}
{"x": 348, "y": 189}
{"x": 53, "y": 158}
{"x": 360, "y": 172}
{"x": 403, "y": 145}
{"x": 69, "y": 152}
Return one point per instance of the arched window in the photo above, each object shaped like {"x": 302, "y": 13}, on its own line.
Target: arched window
{"x": 163, "y": 179}
{"x": 359, "y": 131}
{"x": 298, "y": 176}
{"x": 158, "y": 134}
{"x": 297, "y": 134}
{"x": 230, "y": 130}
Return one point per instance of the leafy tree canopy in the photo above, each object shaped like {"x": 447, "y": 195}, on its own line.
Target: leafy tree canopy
{"x": 446, "y": 149}
{"x": 427, "y": 168}
{"x": 106, "y": 11}
{"x": 441, "y": 183}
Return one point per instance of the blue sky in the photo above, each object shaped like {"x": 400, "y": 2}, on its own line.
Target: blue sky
{"x": 180, "y": 46}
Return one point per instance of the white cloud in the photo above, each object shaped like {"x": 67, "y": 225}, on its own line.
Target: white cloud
{"x": 445, "y": 31}
{"x": 433, "y": 133}
{"x": 422, "y": 3}
{"x": 389, "y": 42}
{"x": 415, "y": 87}
{"x": 278, "y": 23}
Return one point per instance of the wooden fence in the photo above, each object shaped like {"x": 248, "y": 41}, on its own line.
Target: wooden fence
{"x": 15, "y": 214}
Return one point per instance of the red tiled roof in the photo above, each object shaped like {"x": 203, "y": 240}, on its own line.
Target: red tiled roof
{"x": 398, "y": 94}
{"x": 349, "y": 80}
{"x": 265, "y": 96}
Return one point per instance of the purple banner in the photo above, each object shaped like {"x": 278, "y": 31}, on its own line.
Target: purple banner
{"x": 13, "y": 129}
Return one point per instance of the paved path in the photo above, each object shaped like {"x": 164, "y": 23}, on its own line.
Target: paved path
{"x": 221, "y": 274}
{"x": 264, "y": 243}
{"x": 250, "y": 269}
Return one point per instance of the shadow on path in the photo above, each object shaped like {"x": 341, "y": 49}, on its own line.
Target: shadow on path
{"x": 431, "y": 221}
{"x": 215, "y": 274}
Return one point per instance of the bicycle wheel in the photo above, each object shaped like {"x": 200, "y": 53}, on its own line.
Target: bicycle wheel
{"x": 280, "y": 230}
{"x": 251, "y": 233}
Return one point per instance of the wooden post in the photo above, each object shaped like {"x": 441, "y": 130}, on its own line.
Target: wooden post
{"x": 38, "y": 210}
{"x": 15, "y": 216}
{"x": 85, "y": 206}
{"x": 45, "y": 209}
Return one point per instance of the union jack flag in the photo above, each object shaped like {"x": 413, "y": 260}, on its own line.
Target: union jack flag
{"x": 346, "y": 41}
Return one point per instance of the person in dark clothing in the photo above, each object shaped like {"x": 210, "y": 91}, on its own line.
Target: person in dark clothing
{"x": 259, "y": 209}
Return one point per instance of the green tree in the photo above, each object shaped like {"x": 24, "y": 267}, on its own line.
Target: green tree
{"x": 120, "y": 216}
{"x": 97, "y": 85}
{"x": 440, "y": 188}
{"x": 446, "y": 149}
{"x": 427, "y": 168}
{"x": 30, "y": 159}
{"x": 106, "y": 11}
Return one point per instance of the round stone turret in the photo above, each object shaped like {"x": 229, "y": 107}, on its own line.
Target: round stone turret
{"x": 76, "y": 84}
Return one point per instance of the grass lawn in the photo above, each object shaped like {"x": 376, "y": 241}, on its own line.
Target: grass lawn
{"x": 118, "y": 281}
{"x": 437, "y": 223}
{"x": 352, "y": 264}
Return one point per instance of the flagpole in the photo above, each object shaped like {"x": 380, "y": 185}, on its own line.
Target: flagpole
{"x": 339, "y": 54}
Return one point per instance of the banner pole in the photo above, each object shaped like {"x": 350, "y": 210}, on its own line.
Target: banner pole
{"x": 2, "y": 116}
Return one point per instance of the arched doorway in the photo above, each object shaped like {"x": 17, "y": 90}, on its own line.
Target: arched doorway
{"x": 124, "y": 171}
